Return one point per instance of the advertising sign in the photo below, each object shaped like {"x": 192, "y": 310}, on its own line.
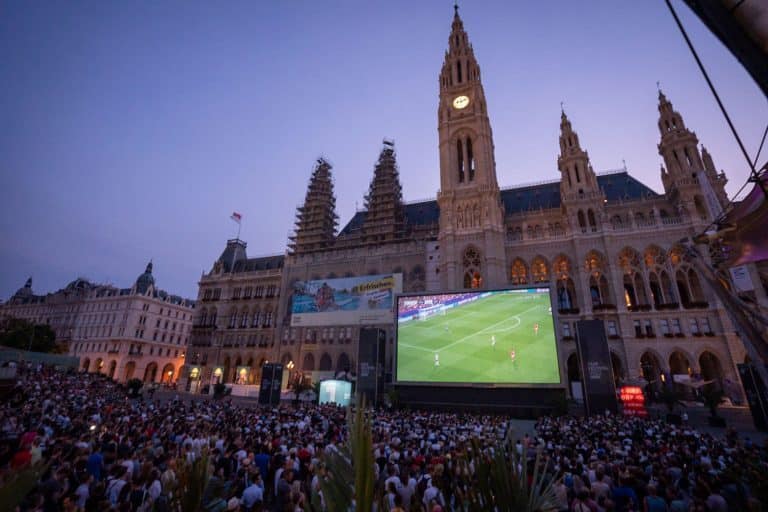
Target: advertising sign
{"x": 633, "y": 401}
{"x": 363, "y": 300}
{"x": 336, "y": 392}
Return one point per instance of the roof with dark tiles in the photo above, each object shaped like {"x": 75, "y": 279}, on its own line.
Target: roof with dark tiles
{"x": 617, "y": 186}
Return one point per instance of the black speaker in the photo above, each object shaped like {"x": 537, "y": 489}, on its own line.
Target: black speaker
{"x": 271, "y": 382}
{"x": 370, "y": 363}
{"x": 596, "y": 367}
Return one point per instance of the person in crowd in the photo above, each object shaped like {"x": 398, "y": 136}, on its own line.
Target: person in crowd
{"x": 105, "y": 451}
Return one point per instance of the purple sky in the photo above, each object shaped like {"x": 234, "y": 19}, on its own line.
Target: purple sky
{"x": 132, "y": 130}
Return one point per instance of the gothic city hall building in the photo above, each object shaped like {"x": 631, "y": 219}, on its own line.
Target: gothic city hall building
{"x": 606, "y": 244}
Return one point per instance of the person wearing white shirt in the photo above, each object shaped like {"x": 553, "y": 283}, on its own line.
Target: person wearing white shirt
{"x": 253, "y": 494}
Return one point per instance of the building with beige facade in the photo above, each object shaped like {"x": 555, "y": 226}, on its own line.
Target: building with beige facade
{"x": 139, "y": 332}
{"x": 58, "y": 310}
{"x": 608, "y": 245}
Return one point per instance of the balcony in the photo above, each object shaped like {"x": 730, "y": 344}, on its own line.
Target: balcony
{"x": 668, "y": 305}
{"x": 569, "y": 311}
{"x": 639, "y": 307}
{"x": 701, "y": 304}
{"x": 135, "y": 354}
{"x": 597, "y": 308}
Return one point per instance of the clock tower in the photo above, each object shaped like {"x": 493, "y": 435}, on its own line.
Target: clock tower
{"x": 471, "y": 215}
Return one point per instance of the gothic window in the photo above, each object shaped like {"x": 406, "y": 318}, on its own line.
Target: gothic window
{"x": 682, "y": 288}
{"x": 473, "y": 280}
{"x": 458, "y": 71}
{"x": 701, "y": 208}
{"x": 591, "y": 217}
{"x": 578, "y": 174}
{"x": 519, "y": 272}
{"x": 598, "y": 283}
{"x": 472, "y": 264}
{"x": 539, "y": 270}
{"x": 687, "y": 156}
{"x": 460, "y": 153}
{"x": 470, "y": 160}
{"x": 582, "y": 221}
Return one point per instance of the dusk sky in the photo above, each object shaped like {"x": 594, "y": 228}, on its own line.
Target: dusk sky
{"x": 132, "y": 130}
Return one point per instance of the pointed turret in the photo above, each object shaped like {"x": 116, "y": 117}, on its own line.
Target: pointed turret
{"x": 578, "y": 179}
{"x": 582, "y": 199}
{"x": 678, "y": 145}
{"x": 316, "y": 220}
{"x": 690, "y": 179}
{"x": 384, "y": 219}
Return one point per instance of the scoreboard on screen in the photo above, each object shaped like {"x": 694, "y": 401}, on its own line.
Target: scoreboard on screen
{"x": 633, "y": 401}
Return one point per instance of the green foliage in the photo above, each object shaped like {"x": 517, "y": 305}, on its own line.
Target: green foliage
{"x": 349, "y": 471}
{"x": 192, "y": 479}
{"x": 502, "y": 481}
{"x": 18, "y": 333}
{"x": 19, "y": 484}
{"x": 712, "y": 397}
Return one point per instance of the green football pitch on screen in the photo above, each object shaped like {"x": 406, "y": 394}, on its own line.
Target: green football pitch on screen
{"x": 497, "y": 337}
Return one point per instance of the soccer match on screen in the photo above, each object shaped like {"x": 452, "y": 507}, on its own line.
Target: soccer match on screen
{"x": 504, "y": 337}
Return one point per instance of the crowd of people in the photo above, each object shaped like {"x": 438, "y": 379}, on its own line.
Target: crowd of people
{"x": 102, "y": 450}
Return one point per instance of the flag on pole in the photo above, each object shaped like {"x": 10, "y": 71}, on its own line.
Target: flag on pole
{"x": 236, "y": 217}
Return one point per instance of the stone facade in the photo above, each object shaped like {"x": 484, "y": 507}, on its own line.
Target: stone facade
{"x": 235, "y": 322}
{"x": 607, "y": 244}
{"x": 59, "y": 309}
{"x": 139, "y": 332}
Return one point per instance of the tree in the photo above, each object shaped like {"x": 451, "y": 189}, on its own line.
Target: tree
{"x": 23, "y": 335}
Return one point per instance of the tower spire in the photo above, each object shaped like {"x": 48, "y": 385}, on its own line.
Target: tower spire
{"x": 316, "y": 220}
{"x": 384, "y": 219}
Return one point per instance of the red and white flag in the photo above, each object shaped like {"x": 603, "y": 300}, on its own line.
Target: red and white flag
{"x": 236, "y": 217}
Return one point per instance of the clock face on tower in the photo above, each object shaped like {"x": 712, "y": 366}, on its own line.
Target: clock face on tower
{"x": 460, "y": 102}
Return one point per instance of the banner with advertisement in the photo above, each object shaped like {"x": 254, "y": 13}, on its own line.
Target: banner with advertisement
{"x": 363, "y": 300}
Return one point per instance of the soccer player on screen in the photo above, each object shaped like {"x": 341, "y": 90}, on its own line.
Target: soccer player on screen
{"x": 536, "y": 329}
{"x": 493, "y": 342}
{"x": 512, "y": 357}
{"x": 437, "y": 359}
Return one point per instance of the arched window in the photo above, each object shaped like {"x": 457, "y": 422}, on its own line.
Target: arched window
{"x": 343, "y": 364}
{"x": 519, "y": 272}
{"x": 470, "y": 160}
{"x": 539, "y": 270}
{"x": 244, "y": 319}
{"x": 460, "y": 160}
{"x": 472, "y": 263}
{"x": 682, "y": 288}
{"x": 203, "y": 316}
{"x": 326, "y": 365}
{"x": 578, "y": 174}
{"x": 697, "y": 293}
{"x": 591, "y": 217}
{"x": 701, "y": 208}
{"x": 458, "y": 71}
{"x": 309, "y": 363}
{"x": 582, "y": 221}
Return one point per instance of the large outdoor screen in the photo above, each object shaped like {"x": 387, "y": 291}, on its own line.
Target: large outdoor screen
{"x": 488, "y": 337}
